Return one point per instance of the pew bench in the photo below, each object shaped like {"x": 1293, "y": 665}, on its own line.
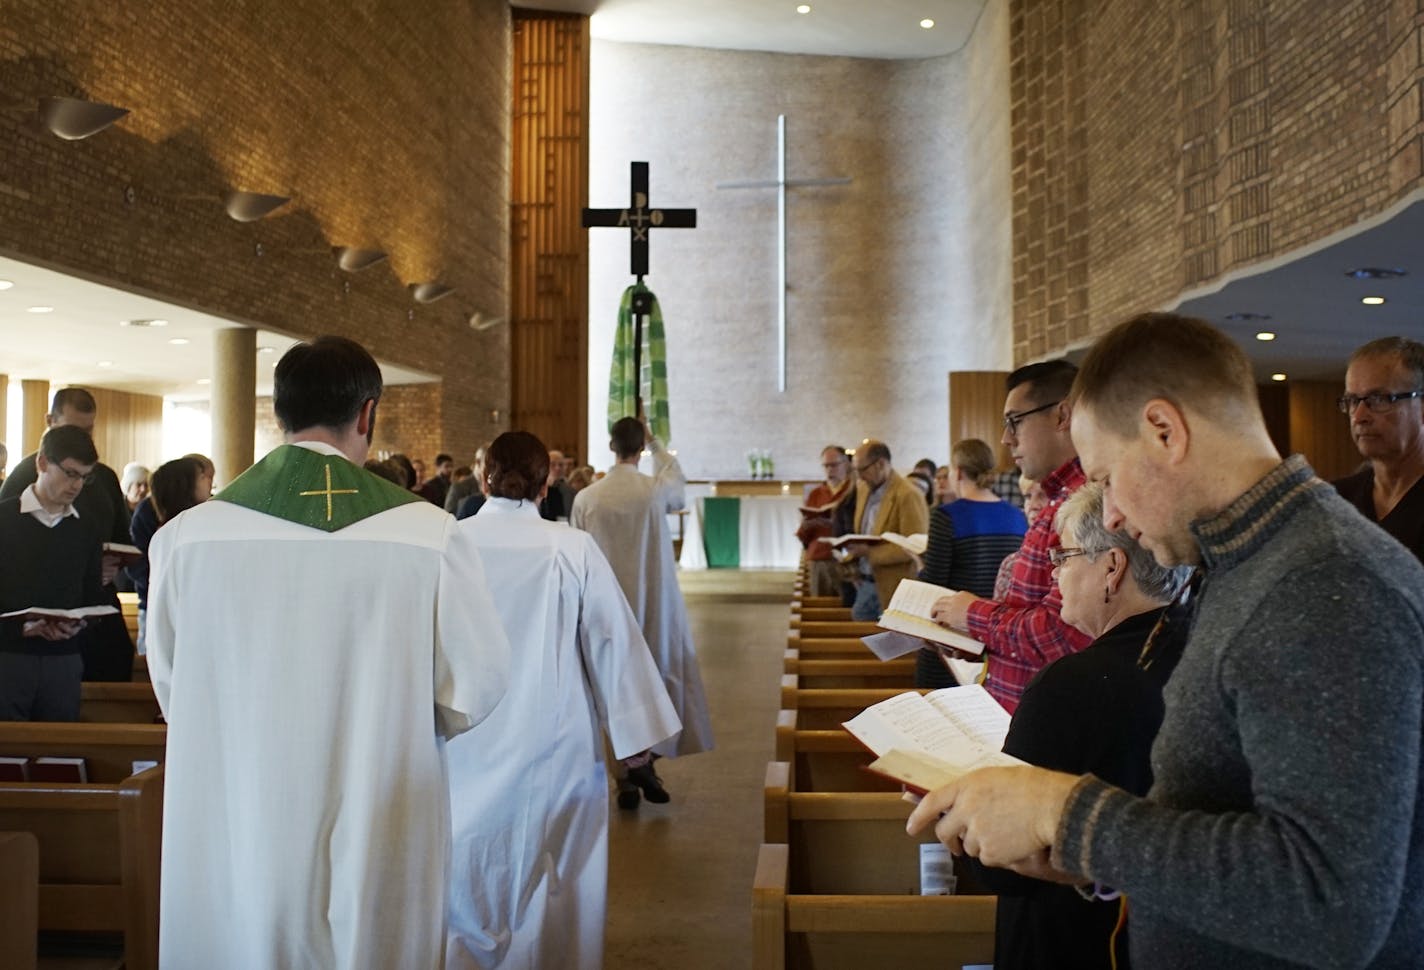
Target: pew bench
{"x": 118, "y": 703}
{"x": 848, "y": 672}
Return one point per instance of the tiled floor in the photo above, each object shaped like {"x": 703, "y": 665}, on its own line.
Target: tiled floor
{"x": 680, "y": 875}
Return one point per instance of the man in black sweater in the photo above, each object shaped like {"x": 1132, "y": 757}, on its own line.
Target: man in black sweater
{"x": 108, "y": 649}
{"x": 51, "y": 561}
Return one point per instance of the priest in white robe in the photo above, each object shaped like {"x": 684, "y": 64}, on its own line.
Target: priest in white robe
{"x": 528, "y": 787}
{"x": 626, "y": 513}
{"x": 314, "y": 632}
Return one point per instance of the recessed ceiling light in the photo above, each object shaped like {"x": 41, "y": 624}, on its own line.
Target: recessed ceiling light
{"x": 143, "y": 323}
{"x": 178, "y": 341}
{"x": 804, "y": 8}
{"x": 106, "y": 363}
{"x": 1376, "y": 273}
{"x": 266, "y": 350}
{"x": 927, "y": 23}
{"x": 1371, "y": 300}
{"x": 1265, "y": 335}
{"x": 205, "y": 380}
{"x": 5, "y": 284}
{"x": 41, "y": 309}
{"x": 1278, "y": 377}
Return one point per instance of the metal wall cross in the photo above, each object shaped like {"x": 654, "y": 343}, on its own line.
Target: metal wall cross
{"x": 781, "y": 183}
{"x": 640, "y": 219}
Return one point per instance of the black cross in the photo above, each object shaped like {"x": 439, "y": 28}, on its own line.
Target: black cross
{"x": 641, "y": 219}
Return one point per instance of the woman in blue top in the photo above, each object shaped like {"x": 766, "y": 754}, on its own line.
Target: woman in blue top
{"x": 969, "y": 537}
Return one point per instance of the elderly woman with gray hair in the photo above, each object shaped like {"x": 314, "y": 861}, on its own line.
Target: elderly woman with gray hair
{"x": 1095, "y": 711}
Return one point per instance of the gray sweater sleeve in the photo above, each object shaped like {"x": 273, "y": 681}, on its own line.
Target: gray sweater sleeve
{"x": 1285, "y": 823}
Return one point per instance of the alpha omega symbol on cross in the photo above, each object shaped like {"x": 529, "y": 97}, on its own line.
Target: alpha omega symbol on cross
{"x": 640, "y": 219}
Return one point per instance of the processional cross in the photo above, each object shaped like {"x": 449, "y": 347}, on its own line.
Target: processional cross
{"x": 640, "y": 219}
{"x": 781, "y": 183}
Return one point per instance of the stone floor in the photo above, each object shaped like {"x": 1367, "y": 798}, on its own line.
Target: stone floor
{"x": 680, "y": 875}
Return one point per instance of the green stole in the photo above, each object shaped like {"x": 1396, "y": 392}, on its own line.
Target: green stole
{"x": 623, "y": 385}
{"x": 314, "y": 489}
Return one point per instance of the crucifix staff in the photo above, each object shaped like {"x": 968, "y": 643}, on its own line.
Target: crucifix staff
{"x": 640, "y": 219}
{"x": 781, "y": 183}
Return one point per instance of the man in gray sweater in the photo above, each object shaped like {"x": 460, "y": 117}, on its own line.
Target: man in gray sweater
{"x": 1285, "y": 826}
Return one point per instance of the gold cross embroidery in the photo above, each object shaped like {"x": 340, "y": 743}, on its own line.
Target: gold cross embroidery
{"x": 329, "y": 492}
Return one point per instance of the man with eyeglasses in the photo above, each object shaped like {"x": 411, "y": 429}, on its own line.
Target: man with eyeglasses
{"x": 1023, "y": 631}
{"x": 108, "y": 649}
{"x": 1383, "y": 401}
{"x": 885, "y": 501}
{"x": 825, "y": 571}
{"x": 51, "y": 561}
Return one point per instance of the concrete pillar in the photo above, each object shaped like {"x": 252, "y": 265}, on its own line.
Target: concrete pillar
{"x": 36, "y": 408}
{"x": 5, "y": 414}
{"x": 234, "y": 402}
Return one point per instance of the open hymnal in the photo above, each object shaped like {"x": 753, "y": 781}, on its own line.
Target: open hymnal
{"x": 909, "y": 612}
{"x": 926, "y": 741}
{"x": 47, "y": 613}
{"x": 915, "y": 545}
{"x": 124, "y": 552}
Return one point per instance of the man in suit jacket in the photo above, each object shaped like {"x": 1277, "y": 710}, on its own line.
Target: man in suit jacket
{"x": 884, "y": 502}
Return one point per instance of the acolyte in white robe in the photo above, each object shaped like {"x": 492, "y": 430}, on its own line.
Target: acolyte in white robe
{"x": 626, "y": 513}
{"x": 308, "y": 678}
{"x": 528, "y": 788}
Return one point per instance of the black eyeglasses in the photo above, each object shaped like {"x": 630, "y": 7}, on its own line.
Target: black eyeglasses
{"x": 1013, "y": 419}
{"x": 1378, "y": 403}
{"x": 1063, "y": 553}
{"x": 74, "y": 476}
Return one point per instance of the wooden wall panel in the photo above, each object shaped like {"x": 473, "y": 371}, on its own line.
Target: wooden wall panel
{"x": 976, "y": 410}
{"x": 1275, "y": 408}
{"x": 34, "y": 406}
{"x": 549, "y": 247}
{"x": 128, "y": 427}
{"x": 1319, "y": 431}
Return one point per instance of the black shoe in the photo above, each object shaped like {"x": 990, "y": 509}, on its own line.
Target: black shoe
{"x": 647, "y": 779}
{"x": 628, "y": 797}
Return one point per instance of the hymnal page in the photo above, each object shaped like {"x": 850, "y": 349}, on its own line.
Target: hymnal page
{"x": 45, "y": 613}
{"x": 909, "y": 612}
{"x": 922, "y": 774}
{"x": 915, "y": 544}
{"x": 910, "y": 722}
{"x": 973, "y": 710}
{"x": 835, "y": 542}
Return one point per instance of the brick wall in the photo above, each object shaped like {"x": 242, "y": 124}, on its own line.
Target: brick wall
{"x": 1157, "y": 146}
{"x": 387, "y": 123}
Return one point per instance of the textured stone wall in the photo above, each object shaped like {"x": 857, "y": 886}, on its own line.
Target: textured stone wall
{"x": 1160, "y": 146}
{"x": 388, "y": 126}
{"x": 893, "y": 280}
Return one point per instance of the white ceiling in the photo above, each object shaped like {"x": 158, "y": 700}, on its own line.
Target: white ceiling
{"x": 851, "y": 28}
{"x": 71, "y": 344}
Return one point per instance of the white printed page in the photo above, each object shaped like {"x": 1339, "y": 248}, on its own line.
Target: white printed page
{"x": 909, "y": 722}
{"x": 916, "y": 598}
{"x": 974, "y": 712}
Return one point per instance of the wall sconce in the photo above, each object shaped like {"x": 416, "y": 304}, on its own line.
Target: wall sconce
{"x": 430, "y": 292}
{"x": 354, "y": 260}
{"x": 73, "y": 119}
{"x": 251, "y": 206}
{"x": 479, "y": 322}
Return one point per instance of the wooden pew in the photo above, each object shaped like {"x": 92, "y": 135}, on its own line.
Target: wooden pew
{"x": 118, "y": 703}
{"x": 799, "y": 603}
{"x": 128, "y": 606}
{"x": 19, "y": 899}
{"x": 837, "y": 885}
{"x": 824, "y": 759}
{"x": 839, "y": 629}
{"x": 850, "y": 672}
{"x": 829, "y": 707}
{"x": 820, "y": 614}
{"x": 100, "y": 840}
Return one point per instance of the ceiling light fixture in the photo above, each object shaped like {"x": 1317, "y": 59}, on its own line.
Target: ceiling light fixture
{"x": 430, "y": 292}
{"x": 40, "y": 309}
{"x": 1265, "y": 335}
{"x": 251, "y": 206}
{"x": 927, "y": 23}
{"x": 1376, "y": 273}
{"x": 804, "y": 8}
{"x": 1371, "y": 300}
{"x": 178, "y": 341}
{"x": 106, "y": 363}
{"x": 5, "y": 284}
{"x": 204, "y": 380}
{"x": 266, "y": 350}
{"x": 73, "y": 119}
{"x": 143, "y": 323}
{"x": 1278, "y": 377}
{"x": 354, "y": 260}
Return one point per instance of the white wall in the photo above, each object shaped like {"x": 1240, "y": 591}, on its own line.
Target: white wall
{"x": 893, "y": 280}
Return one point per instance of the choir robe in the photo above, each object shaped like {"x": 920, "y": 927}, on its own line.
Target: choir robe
{"x": 528, "y": 787}
{"x": 626, "y": 513}
{"x": 308, "y": 677}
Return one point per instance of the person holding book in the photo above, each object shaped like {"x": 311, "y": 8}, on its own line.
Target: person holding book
{"x": 1285, "y": 823}
{"x": 51, "y": 561}
{"x": 1022, "y": 631}
{"x": 528, "y": 786}
{"x": 817, "y": 521}
{"x": 884, "y": 502}
{"x": 1092, "y": 712}
{"x": 175, "y": 487}
{"x": 970, "y": 535}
